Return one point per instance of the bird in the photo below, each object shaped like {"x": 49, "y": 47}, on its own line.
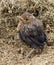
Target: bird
{"x": 31, "y": 31}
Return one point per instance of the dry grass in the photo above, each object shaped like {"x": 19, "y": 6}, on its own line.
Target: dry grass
{"x": 12, "y": 50}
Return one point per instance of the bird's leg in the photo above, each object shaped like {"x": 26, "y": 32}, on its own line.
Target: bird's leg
{"x": 37, "y": 48}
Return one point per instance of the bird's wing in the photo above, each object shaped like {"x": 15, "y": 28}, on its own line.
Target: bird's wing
{"x": 31, "y": 34}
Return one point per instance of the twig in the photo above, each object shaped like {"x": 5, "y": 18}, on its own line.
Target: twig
{"x": 30, "y": 53}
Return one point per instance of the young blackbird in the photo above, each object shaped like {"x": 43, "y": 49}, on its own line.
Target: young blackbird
{"x": 31, "y": 31}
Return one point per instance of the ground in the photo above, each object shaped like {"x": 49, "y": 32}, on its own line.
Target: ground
{"x": 12, "y": 50}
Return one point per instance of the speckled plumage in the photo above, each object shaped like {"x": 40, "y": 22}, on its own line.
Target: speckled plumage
{"x": 32, "y": 33}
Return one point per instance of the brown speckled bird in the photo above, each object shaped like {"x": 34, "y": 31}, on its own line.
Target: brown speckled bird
{"x": 31, "y": 31}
